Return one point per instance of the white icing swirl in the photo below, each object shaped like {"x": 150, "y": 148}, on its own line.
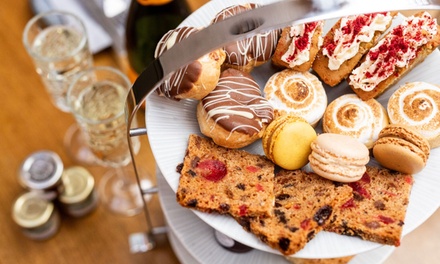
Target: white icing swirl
{"x": 299, "y": 93}
{"x": 350, "y": 115}
{"x": 417, "y": 104}
{"x": 347, "y": 43}
{"x": 395, "y": 50}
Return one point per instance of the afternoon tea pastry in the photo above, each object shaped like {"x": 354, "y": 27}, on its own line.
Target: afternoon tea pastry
{"x": 226, "y": 181}
{"x": 346, "y": 42}
{"x": 298, "y": 93}
{"x": 298, "y": 46}
{"x": 234, "y": 114}
{"x": 340, "y": 260}
{"x": 196, "y": 79}
{"x": 286, "y": 141}
{"x": 417, "y": 104}
{"x": 304, "y": 204}
{"x": 401, "y": 148}
{"x": 338, "y": 157}
{"x": 350, "y": 115}
{"x": 377, "y": 210}
{"x": 250, "y": 52}
{"x": 405, "y": 46}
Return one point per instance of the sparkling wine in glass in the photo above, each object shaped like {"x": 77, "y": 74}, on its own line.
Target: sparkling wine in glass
{"x": 57, "y": 43}
{"x": 97, "y": 100}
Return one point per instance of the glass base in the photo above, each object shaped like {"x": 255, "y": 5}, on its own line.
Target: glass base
{"x": 120, "y": 194}
{"x": 76, "y": 146}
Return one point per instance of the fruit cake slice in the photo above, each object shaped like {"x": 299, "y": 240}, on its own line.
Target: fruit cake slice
{"x": 303, "y": 204}
{"x": 227, "y": 181}
{"x": 378, "y": 207}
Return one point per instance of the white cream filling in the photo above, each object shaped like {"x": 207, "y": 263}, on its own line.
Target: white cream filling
{"x": 347, "y": 46}
{"x": 411, "y": 32}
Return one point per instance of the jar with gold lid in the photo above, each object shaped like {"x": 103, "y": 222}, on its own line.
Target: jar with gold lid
{"x": 79, "y": 196}
{"x": 37, "y": 217}
{"x": 42, "y": 170}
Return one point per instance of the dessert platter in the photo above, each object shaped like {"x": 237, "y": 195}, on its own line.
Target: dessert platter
{"x": 171, "y": 122}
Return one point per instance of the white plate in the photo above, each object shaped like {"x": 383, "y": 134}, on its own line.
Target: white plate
{"x": 193, "y": 240}
{"x": 169, "y": 124}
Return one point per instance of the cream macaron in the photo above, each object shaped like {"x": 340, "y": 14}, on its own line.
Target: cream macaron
{"x": 338, "y": 157}
{"x": 286, "y": 141}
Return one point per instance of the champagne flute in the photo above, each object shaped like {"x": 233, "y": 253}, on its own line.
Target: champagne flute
{"x": 58, "y": 45}
{"x": 97, "y": 100}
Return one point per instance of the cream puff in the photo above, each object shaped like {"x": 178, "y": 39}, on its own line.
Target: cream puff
{"x": 234, "y": 114}
{"x": 195, "y": 80}
{"x": 250, "y": 52}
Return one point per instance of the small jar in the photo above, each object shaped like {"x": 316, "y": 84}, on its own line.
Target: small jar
{"x": 79, "y": 194}
{"x": 230, "y": 244}
{"x": 37, "y": 217}
{"x": 42, "y": 171}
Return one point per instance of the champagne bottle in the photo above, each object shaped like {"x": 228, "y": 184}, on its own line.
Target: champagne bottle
{"x": 147, "y": 22}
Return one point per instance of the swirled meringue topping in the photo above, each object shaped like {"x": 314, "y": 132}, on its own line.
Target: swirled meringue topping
{"x": 417, "y": 104}
{"x": 394, "y": 50}
{"x": 299, "y": 93}
{"x": 350, "y": 115}
{"x": 352, "y": 32}
{"x": 236, "y": 103}
{"x": 298, "y": 51}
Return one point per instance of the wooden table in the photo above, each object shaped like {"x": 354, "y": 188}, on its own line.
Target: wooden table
{"x": 29, "y": 122}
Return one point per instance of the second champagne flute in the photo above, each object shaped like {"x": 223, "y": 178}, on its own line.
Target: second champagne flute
{"x": 97, "y": 100}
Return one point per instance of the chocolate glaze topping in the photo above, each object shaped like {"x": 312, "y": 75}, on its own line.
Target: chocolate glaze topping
{"x": 259, "y": 47}
{"x": 236, "y": 103}
{"x": 182, "y": 80}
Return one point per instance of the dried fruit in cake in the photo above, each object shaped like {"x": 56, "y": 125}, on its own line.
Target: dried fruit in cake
{"x": 304, "y": 204}
{"x": 196, "y": 79}
{"x": 341, "y": 260}
{"x": 417, "y": 104}
{"x": 378, "y": 208}
{"x": 287, "y": 140}
{"x": 250, "y": 52}
{"x": 396, "y": 54}
{"x": 298, "y": 93}
{"x": 226, "y": 181}
{"x": 234, "y": 114}
{"x": 401, "y": 148}
{"x": 298, "y": 46}
{"x": 338, "y": 157}
{"x": 346, "y": 42}
{"x": 350, "y": 115}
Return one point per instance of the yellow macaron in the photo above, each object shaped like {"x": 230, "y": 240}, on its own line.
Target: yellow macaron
{"x": 286, "y": 141}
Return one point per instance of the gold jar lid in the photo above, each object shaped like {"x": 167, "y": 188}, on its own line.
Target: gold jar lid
{"x": 78, "y": 184}
{"x": 32, "y": 210}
